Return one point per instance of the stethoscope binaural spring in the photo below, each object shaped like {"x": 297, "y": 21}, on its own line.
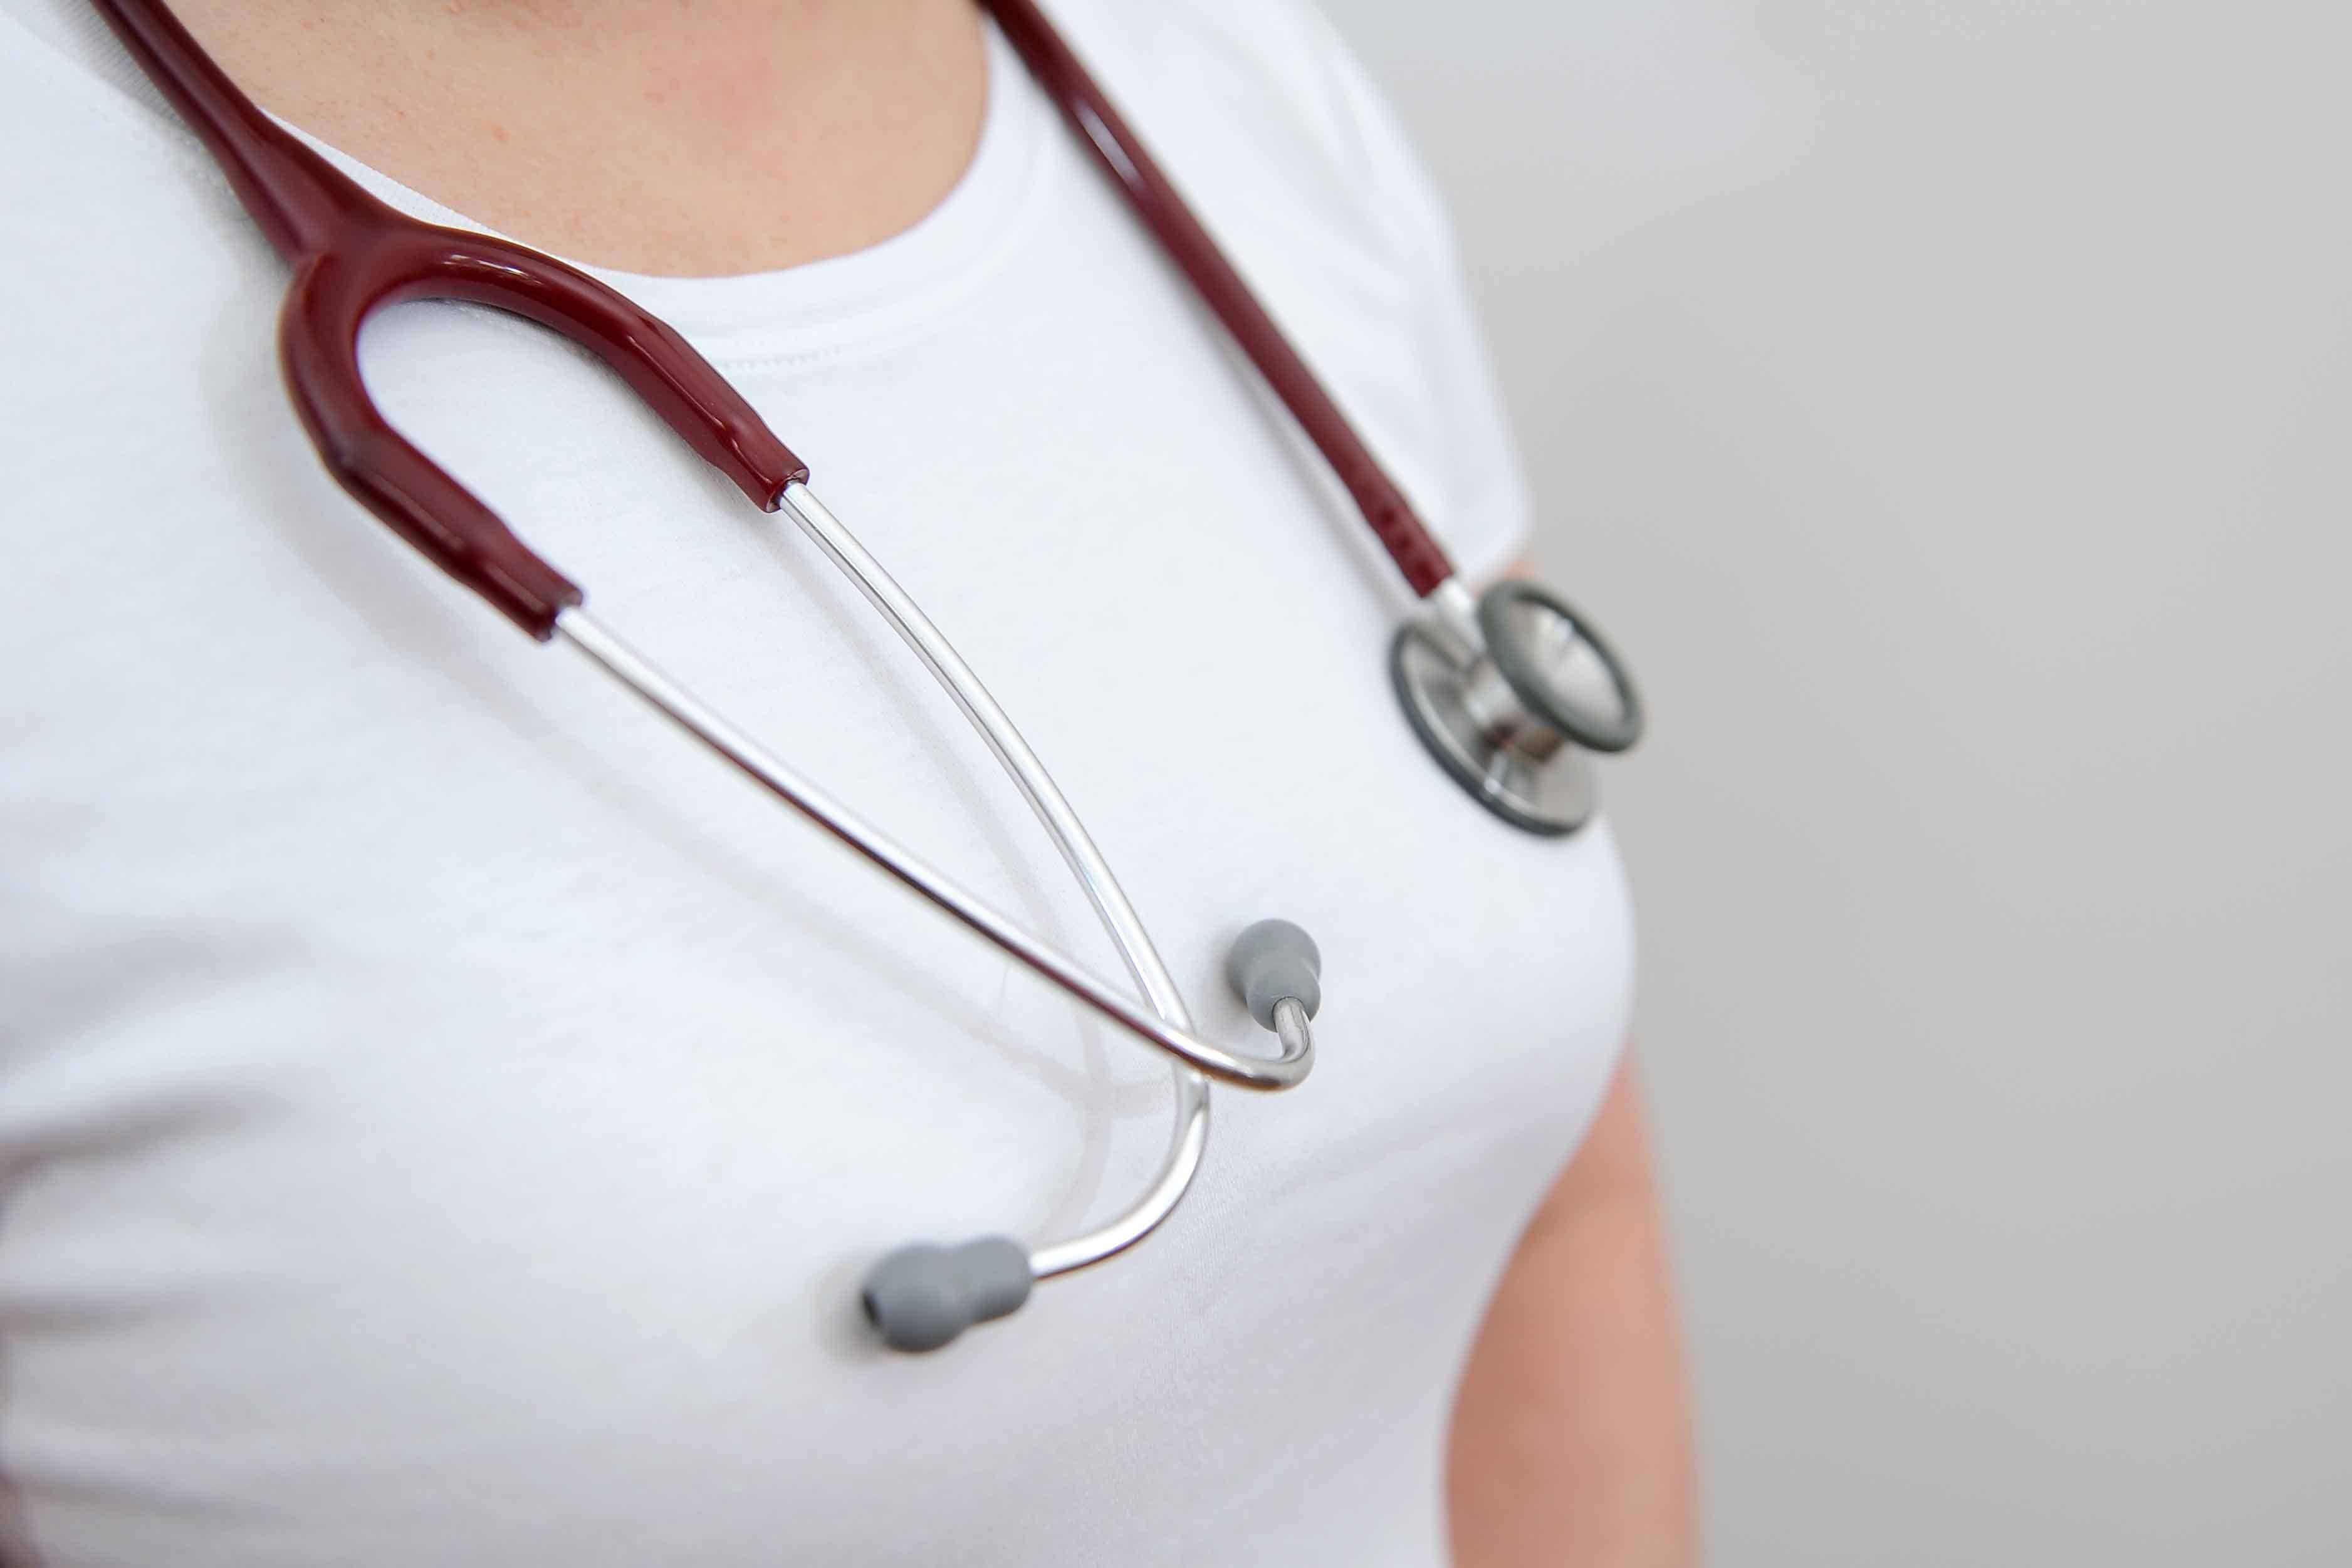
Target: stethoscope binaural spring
{"x": 1511, "y": 691}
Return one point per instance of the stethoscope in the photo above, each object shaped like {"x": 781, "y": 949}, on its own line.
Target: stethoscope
{"x": 1511, "y": 691}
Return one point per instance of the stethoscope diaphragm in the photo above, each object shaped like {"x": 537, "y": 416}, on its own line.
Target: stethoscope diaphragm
{"x": 1511, "y": 696}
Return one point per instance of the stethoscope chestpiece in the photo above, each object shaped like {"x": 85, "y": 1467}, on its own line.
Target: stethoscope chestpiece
{"x": 1512, "y": 694}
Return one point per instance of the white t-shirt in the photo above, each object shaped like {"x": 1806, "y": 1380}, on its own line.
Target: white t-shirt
{"x": 444, "y": 1116}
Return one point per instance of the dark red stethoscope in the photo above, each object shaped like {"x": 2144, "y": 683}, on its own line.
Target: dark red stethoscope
{"x": 1510, "y": 691}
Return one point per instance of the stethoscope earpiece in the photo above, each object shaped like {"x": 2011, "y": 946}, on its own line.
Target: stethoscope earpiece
{"x": 920, "y": 1298}
{"x": 1271, "y": 962}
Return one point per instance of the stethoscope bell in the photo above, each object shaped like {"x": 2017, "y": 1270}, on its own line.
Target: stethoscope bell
{"x": 1511, "y": 695}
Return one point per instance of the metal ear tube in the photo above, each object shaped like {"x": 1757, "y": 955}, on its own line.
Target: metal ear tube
{"x": 921, "y": 1297}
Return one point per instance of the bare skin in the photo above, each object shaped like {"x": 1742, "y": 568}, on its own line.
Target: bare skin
{"x": 1571, "y": 1445}
{"x": 711, "y": 137}
{"x": 690, "y": 137}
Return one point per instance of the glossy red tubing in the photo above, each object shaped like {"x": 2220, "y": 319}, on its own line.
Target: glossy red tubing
{"x": 1163, "y": 211}
{"x": 353, "y": 254}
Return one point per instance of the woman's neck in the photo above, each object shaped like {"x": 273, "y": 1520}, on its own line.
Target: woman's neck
{"x": 690, "y": 137}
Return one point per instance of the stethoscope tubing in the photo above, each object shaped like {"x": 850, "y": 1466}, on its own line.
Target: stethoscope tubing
{"x": 1086, "y": 861}
{"x": 583, "y": 631}
{"x": 1166, "y": 1025}
{"x": 1189, "y": 1137}
{"x": 1162, "y": 210}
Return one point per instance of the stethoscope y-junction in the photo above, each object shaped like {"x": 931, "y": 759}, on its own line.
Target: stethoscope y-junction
{"x": 1510, "y": 691}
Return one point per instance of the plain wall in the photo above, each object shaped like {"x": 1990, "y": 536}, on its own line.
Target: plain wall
{"x": 1949, "y": 409}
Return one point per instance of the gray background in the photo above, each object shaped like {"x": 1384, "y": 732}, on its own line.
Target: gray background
{"x": 1947, "y": 406}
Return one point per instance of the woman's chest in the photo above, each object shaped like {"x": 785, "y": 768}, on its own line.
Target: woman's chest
{"x": 440, "y": 1095}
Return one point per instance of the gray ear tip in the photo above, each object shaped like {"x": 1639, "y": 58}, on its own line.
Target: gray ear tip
{"x": 1271, "y": 960}
{"x": 1276, "y": 935}
{"x": 911, "y": 1300}
{"x": 920, "y": 1298}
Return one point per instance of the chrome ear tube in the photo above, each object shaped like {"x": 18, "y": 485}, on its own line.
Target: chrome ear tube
{"x": 920, "y": 1298}
{"x": 1511, "y": 692}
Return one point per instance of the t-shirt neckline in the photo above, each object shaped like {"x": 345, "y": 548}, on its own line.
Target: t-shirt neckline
{"x": 817, "y": 307}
